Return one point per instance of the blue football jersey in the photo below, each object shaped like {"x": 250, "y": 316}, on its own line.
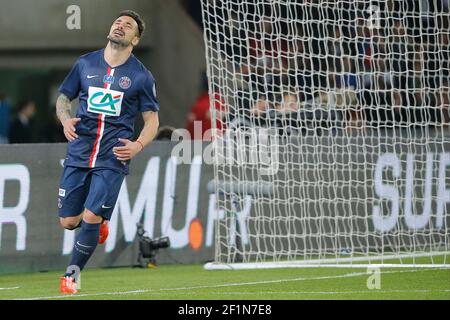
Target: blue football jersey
{"x": 109, "y": 101}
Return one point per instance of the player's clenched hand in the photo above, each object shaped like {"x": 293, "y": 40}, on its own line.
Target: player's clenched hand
{"x": 69, "y": 128}
{"x": 128, "y": 151}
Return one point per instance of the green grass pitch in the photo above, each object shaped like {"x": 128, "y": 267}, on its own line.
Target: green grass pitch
{"x": 187, "y": 282}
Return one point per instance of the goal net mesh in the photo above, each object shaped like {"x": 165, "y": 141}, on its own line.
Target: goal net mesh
{"x": 331, "y": 130}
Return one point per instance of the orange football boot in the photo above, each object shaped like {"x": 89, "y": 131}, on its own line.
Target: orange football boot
{"x": 67, "y": 285}
{"x": 104, "y": 232}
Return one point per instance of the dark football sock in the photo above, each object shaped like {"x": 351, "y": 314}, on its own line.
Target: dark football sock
{"x": 85, "y": 244}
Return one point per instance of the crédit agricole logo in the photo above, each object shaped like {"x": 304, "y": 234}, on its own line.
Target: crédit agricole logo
{"x": 105, "y": 101}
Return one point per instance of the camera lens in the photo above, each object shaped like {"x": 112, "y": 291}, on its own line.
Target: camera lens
{"x": 160, "y": 243}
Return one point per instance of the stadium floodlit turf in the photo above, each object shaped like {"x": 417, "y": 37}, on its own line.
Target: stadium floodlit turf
{"x": 186, "y": 282}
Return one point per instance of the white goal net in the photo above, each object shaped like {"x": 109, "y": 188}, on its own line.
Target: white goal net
{"x": 332, "y": 140}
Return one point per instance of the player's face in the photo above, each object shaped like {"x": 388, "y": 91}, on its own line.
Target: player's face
{"x": 124, "y": 32}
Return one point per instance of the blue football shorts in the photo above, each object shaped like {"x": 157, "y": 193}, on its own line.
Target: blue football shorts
{"x": 95, "y": 189}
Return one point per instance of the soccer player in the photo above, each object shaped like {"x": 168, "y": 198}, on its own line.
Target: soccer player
{"x": 112, "y": 86}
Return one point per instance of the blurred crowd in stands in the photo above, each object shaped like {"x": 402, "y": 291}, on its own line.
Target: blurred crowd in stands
{"x": 383, "y": 66}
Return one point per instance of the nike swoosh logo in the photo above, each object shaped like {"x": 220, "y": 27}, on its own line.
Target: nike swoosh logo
{"x": 82, "y": 245}
{"x": 90, "y": 77}
{"x": 105, "y": 207}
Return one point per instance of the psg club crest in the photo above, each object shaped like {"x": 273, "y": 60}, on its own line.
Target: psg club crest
{"x": 124, "y": 82}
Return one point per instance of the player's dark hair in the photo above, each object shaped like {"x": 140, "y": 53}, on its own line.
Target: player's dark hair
{"x": 136, "y": 17}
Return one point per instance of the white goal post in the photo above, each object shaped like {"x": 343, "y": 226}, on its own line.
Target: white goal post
{"x": 332, "y": 132}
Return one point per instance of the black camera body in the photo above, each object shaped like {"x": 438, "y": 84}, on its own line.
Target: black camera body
{"x": 148, "y": 247}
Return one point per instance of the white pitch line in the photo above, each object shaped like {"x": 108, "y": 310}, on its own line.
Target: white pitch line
{"x": 196, "y": 287}
{"x": 12, "y": 288}
{"x": 324, "y": 292}
{"x": 305, "y": 292}
{"x": 330, "y": 292}
{"x": 347, "y": 275}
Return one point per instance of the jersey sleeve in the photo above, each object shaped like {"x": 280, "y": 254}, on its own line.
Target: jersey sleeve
{"x": 72, "y": 83}
{"x": 147, "y": 95}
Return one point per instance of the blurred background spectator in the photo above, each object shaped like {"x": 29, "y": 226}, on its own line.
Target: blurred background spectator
{"x": 4, "y": 119}
{"x": 21, "y": 127}
{"x": 199, "y": 118}
{"x": 165, "y": 133}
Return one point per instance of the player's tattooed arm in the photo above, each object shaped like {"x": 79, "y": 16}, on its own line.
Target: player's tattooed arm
{"x": 148, "y": 133}
{"x": 63, "y": 112}
{"x": 63, "y": 108}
